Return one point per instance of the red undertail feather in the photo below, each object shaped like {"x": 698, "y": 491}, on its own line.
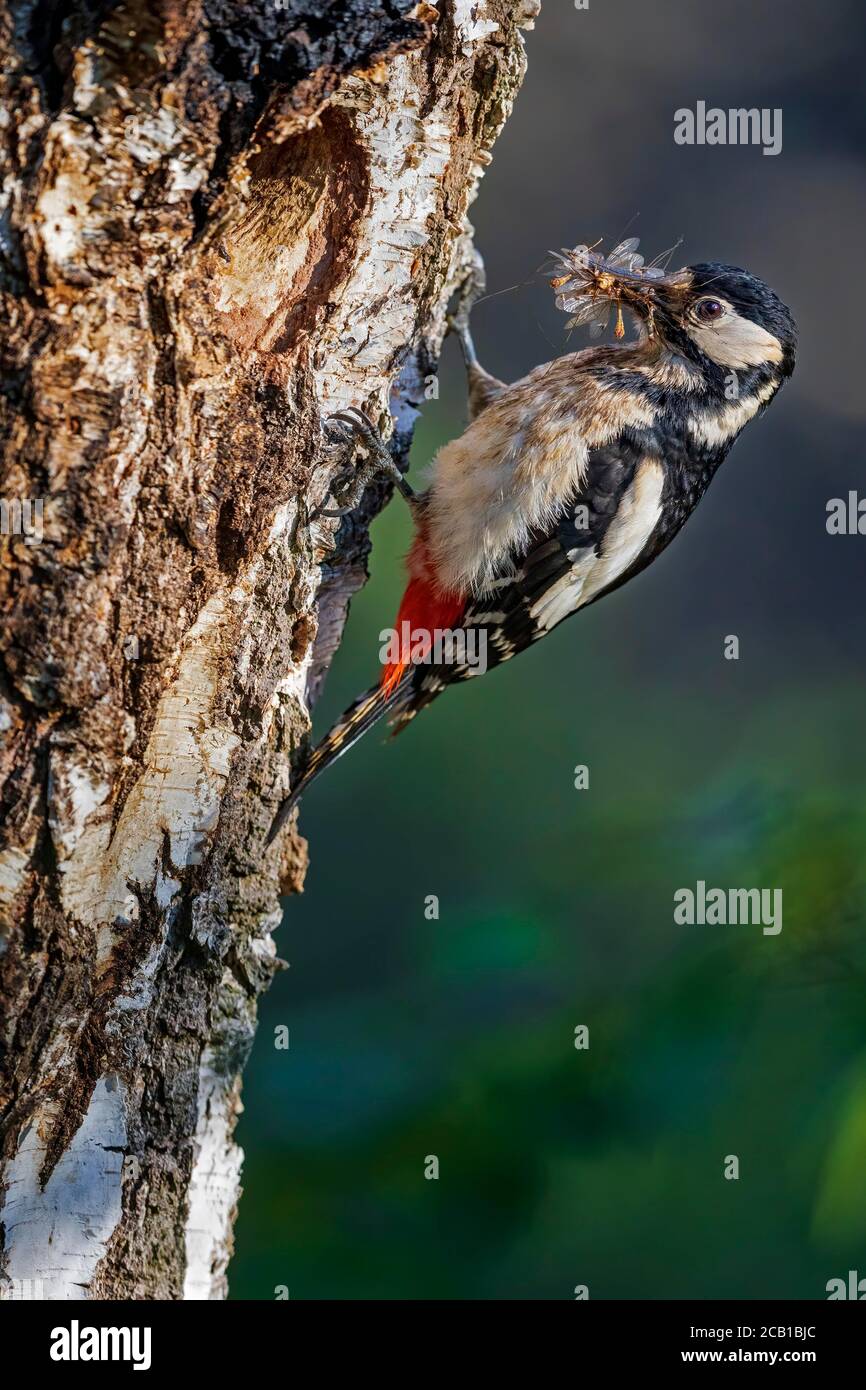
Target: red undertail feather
{"x": 424, "y": 611}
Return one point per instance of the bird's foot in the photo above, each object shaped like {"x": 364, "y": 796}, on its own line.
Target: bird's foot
{"x": 482, "y": 386}
{"x": 471, "y": 289}
{"x": 354, "y": 433}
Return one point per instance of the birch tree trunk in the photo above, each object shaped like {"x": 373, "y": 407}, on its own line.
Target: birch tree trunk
{"x": 219, "y": 222}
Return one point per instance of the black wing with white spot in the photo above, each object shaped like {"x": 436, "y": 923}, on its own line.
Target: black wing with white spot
{"x": 542, "y": 587}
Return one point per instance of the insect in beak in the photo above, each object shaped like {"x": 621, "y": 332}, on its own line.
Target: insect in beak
{"x": 593, "y": 285}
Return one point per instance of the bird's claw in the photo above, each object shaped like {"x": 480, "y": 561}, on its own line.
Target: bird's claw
{"x": 471, "y": 288}
{"x": 353, "y": 424}
{"x": 339, "y": 433}
{"x": 352, "y": 428}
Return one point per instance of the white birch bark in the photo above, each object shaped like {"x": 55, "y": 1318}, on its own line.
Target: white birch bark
{"x": 214, "y": 231}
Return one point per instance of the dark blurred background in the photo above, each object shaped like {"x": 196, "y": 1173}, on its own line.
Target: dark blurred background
{"x": 412, "y": 1037}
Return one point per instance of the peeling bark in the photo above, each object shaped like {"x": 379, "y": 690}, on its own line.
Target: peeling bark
{"x": 219, "y": 222}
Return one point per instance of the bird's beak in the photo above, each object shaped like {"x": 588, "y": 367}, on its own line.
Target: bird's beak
{"x": 660, "y": 304}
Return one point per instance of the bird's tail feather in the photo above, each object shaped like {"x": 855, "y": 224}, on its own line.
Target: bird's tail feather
{"x": 357, "y": 719}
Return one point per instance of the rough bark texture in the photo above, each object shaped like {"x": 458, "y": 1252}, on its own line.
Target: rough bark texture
{"x": 219, "y": 221}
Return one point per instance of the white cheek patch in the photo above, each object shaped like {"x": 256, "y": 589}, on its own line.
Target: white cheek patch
{"x": 719, "y": 427}
{"x": 736, "y": 342}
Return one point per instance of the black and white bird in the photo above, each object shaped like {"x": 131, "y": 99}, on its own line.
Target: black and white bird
{"x": 568, "y": 483}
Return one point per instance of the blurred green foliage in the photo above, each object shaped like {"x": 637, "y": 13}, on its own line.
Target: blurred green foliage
{"x": 455, "y": 1037}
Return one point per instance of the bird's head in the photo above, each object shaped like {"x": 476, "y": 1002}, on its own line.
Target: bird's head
{"x": 725, "y": 314}
{"x": 708, "y": 313}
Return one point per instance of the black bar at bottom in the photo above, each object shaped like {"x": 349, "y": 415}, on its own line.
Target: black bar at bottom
{"x": 223, "y": 1338}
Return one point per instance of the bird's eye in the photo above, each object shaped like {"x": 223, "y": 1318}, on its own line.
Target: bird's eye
{"x": 709, "y": 310}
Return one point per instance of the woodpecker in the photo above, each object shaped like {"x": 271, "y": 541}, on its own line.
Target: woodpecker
{"x": 569, "y": 482}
